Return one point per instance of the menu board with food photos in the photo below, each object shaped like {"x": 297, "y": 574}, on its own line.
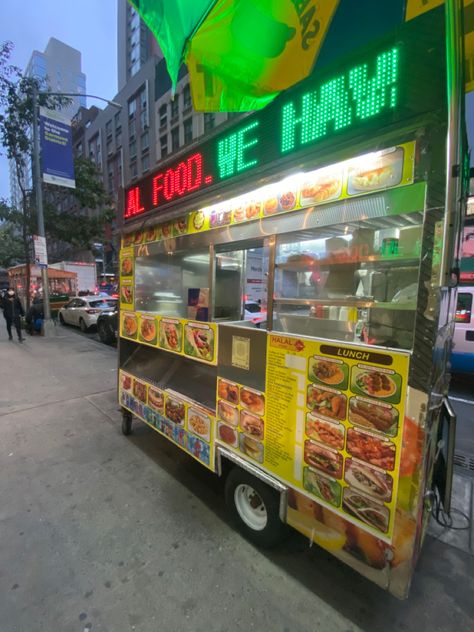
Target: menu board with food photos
{"x": 184, "y": 422}
{"x": 196, "y": 340}
{"x": 333, "y": 425}
{"x": 376, "y": 171}
{"x": 127, "y": 272}
{"x": 240, "y": 421}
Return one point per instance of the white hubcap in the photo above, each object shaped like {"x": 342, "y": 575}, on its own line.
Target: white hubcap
{"x": 250, "y": 507}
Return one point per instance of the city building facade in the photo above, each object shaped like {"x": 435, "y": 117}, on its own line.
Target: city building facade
{"x": 151, "y": 125}
{"x": 135, "y": 43}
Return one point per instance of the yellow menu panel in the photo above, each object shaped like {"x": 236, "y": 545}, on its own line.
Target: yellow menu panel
{"x": 334, "y": 424}
{"x": 185, "y": 423}
{"x": 193, "y": 339}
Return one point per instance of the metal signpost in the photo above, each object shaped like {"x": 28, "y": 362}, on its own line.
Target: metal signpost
{"x": 48, "y": 325}
{"x": 40, "y": 239}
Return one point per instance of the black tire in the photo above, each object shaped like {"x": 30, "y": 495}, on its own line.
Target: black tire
{"x": 61, "y": 319}
{"x": 274, "y": 530}
{"x": 126, "y": 422}
{"x": 83, "y": 325}
{"x": 106, "y": 335}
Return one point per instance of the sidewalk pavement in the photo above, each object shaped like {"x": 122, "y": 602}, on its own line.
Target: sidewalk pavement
{"x": 103, "y": 532}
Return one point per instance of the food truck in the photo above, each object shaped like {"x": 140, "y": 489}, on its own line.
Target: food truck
{"x": 62, "y": 284}
{"x": 326, "y": 414}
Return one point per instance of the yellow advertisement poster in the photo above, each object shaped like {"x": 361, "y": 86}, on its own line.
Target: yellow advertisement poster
{"x": 241, "y": 419}
{"x": 127, "y": 272}
{"x": 193, "y": 339}
{"x": 185, "y": 423}
{"x": 128, "y": 325}
{"x": 334, "y": 424}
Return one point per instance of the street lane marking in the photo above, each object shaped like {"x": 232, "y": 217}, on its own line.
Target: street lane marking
{"x": 460, "y": 399}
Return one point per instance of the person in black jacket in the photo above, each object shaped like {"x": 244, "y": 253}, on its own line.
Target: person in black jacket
{"x": 34, "y": 317}
{"x": 12, "y": 312}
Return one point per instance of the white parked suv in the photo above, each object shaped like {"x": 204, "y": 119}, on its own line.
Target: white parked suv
{"x": 83, "y": 311}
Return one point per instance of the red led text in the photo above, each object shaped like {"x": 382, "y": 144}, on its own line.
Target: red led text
{"x": 134, "y": 204}
{"x": 181, "y": 180}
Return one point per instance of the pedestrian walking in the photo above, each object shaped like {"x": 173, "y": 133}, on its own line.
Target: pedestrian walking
{"x": 12, "y": 312}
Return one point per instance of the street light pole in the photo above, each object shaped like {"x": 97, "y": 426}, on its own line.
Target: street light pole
{"x": 48, "y": 325}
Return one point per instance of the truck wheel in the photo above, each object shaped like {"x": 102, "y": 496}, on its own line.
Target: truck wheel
{"x": 254, "y": 507}
{"x": 126, "y": 422}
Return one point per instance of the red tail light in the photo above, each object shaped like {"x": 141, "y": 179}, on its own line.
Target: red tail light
{"x": 463, "y": 316}
{"x": 93, "y": 311}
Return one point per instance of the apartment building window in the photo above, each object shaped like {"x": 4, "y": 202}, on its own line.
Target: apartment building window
{"x": 110, "y": 181}
{"x": 134, "y": 68}
{"x": 118, "y": 138}
{"x": 163, "y": 112}
{"x": 132, "y": 129}
{"x": 175, "y": 108}
{"x": 175, "y": 139}
{"x": 145, "y": 140}
{"x": 132, "y": 108}
{"x": 145, "y": 163}
{"x": 209, "y": 121}
{"x": 188, "y": 130}
{"x": 143, "y": 102}
{"x": 109, "y": 146}
{"x": 133, "y": 148}
{"x": 108, "y": 129}
{"x": 187, "y": 103}
{"x": 164, "y": 145}
{"x": 117, "y": 123}
{"x": 144, "y": 119}
{"x": 133, "y": 169}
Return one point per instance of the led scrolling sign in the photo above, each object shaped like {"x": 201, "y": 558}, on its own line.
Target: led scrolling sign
{"x": 372, "y": 91}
